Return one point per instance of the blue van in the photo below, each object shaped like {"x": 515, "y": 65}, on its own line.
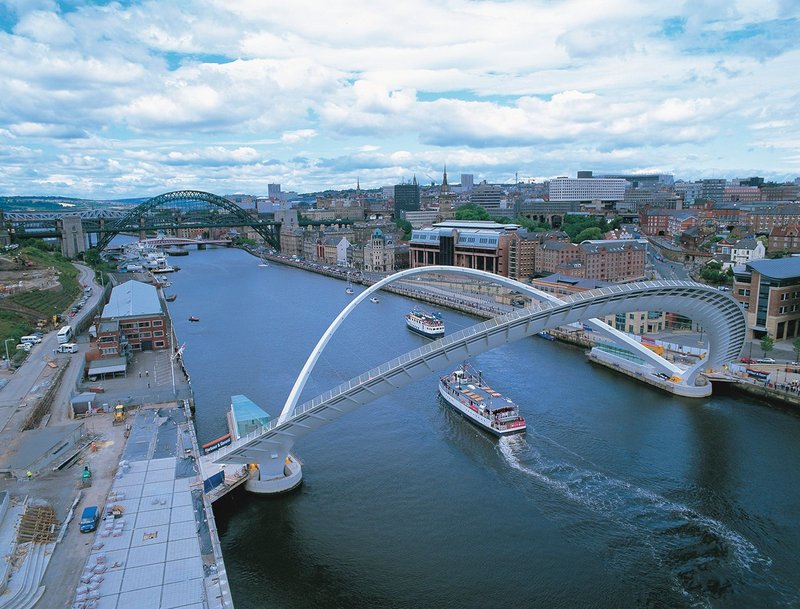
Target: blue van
{"x": 89, "y": 519}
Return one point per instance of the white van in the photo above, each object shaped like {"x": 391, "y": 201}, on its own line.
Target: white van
{"x": 68, "y": 348}
{"x": 34, "y": 340}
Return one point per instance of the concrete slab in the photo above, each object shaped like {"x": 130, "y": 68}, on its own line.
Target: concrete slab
{"x": 107, "y": 602}
{"x": 148, "y": 597}
{"x": 110, "y": 586}
{"x": 183, "y": 548}
{"x": 183, "y": 569}
{"x": 150, "y": 536}
{"x": 156, "y": 464}
{"x": 183, "y": 513}
{"x": 158, "y": 488}
{"x": 159, "y": 475}
{"x": 147, "y": 555}
{"x": 139, "y": 578}
{"x": 155, "y": 502}
{"x": 130, "y": 479}
{"x": 181, "y": 594}
{"x": 153, "y": 518}
{"x": 182, "y": 530}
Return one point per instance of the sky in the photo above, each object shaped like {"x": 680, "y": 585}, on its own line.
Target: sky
{"x": 135, "y": 98}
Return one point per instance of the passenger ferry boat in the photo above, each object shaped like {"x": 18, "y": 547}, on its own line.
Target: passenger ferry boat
{"x": 465, "y": 390}
{"x": 427, "y": 324}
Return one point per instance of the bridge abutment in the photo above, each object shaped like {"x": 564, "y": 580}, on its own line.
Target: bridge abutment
{"x": 278, "y": 475}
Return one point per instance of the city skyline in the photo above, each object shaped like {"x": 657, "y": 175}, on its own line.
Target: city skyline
{"x": 113, "y": 100}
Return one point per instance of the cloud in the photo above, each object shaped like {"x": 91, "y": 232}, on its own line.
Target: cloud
{"x": 300, "y": 135}
{"x": 134, "y": 96}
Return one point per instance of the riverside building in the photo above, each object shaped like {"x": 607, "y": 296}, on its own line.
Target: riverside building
{"x": 769, "y": 292}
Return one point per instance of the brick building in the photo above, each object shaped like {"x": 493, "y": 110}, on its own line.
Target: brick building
{"x": 133, "y": 320}
{"x": 784, "y": 239}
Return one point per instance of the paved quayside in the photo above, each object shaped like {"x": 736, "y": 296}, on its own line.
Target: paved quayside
{"x": 163, "y": 550}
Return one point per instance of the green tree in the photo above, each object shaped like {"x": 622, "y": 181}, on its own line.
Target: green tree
{"x": 406, "y": 227}
{"x": 92, "y": 257}
{"x": 470, "y": 211}
{"x": 796, "y": 346}
{"x": 592, "y": 232}
{"x": 767, "y": 344}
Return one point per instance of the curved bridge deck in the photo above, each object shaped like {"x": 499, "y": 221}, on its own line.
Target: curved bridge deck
{"x": 717, "y": 312}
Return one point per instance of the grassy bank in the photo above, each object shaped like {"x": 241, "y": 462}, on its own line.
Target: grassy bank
{"x": 19, "y": 312}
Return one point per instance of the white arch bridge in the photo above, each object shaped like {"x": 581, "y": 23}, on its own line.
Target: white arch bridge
{"x": 718, "y": 313}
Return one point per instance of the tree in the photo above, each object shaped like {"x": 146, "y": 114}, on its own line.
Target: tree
{"x": 796, "y": 346}
{"x": 92, "y": 257}
{"x": 767, "y": 344}
{"x": 405, "y": 226}
{"x": 470, "y": 211}
{"x": 592, "y": 232}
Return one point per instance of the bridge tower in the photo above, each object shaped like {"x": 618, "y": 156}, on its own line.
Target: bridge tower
{"x": 73, "y": 239}
{"x": 5, "y": 237}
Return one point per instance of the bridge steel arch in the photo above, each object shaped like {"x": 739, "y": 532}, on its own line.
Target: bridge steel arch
{"x": 718, "y": 313}
{"x": 131, "y": 220}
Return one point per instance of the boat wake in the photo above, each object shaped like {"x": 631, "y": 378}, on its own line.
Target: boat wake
{"x": 704, "y": 558}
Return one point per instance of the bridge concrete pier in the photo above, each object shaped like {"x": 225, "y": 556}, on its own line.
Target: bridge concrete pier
{"x": 278, "y": 475}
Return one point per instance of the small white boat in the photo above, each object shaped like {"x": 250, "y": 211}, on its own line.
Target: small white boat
{"x": 374, "y": 299}
{"x": 429, "y": 325}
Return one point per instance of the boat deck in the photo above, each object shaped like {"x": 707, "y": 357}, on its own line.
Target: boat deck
{"x": 481, "y": 394}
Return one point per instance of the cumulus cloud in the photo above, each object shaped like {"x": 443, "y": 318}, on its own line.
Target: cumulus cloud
{"x": 136, "y": 96}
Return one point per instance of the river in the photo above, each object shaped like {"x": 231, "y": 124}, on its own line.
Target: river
{"x": 618, "y": 495}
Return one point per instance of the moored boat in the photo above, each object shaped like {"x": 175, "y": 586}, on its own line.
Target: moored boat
{"x": 465, "y": 391}
{"x": 427, "y": 324}
{"x": 170, "y": 297}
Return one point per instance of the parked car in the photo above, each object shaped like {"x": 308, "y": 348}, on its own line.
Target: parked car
{"x": 747, "y": 360}
{"x": 765, "y": 360}
{"x": 24, "y": 346}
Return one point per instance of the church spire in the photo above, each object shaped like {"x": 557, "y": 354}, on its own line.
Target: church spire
{"x": 444, "y": 179}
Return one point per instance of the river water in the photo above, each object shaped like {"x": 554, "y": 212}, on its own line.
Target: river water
{"x": 618, "y": 495}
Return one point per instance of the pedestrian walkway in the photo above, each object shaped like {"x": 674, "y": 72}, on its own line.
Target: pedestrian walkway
{"x": 158, "y": 550}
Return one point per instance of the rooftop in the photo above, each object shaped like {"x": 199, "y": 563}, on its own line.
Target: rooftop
{"x": 133, "y": 299}
{"x": 244, "y": 409}
{"x": 778, "y": 268}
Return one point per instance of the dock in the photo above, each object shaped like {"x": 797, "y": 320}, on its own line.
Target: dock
{"x": 156, "y": 545}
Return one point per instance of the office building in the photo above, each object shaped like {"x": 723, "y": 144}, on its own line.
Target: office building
{"x": 769, "y": 292}
{"x": 587, "y": 190}
{"x": 406, "y": 198}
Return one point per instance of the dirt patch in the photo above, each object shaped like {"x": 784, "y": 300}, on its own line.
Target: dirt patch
{"x": 14, "y": 281}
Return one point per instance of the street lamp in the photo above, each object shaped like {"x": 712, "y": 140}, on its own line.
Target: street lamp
{"x": 8, "y": 359}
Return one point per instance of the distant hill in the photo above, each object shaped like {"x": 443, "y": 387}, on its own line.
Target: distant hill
{"x": 48, "y": 203}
